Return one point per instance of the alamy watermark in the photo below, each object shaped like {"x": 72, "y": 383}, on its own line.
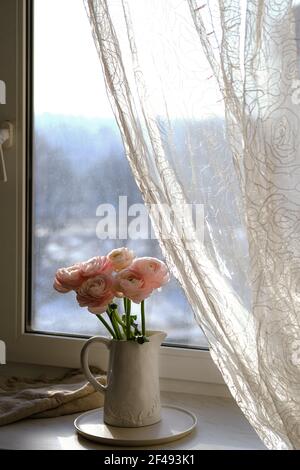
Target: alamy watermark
{"x": 176, "y": 221}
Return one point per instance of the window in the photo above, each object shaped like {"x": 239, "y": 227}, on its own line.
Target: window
{"x": 78, "y": 164}
{"x": 182, "y": 369}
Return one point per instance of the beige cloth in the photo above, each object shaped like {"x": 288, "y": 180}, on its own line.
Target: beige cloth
{"x": 44, "y": 398}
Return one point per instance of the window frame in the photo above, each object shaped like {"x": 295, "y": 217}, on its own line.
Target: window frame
{"x": 182, "y": 369}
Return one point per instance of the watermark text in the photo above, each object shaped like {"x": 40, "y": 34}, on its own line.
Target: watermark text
{"x": 176, "y": 221}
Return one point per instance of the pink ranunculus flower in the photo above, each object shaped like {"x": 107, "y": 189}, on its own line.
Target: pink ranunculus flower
{"x": 132, "y": 285}
{"x": 96, "y": 293}
{"x": 154, "y": 271}
{"x": 121, "y": 258}
{"x": 67, "y": 279}
{"x": 96, "y": 265}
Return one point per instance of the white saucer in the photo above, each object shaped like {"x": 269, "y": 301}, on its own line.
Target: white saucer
{"x": 175, "y": 423}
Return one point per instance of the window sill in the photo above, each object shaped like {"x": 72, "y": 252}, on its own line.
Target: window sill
{"x": 188, "y": 367}
{"x": 221, "y": 426}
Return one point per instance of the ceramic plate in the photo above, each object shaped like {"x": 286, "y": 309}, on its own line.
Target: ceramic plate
{"x": 175, "y": 423}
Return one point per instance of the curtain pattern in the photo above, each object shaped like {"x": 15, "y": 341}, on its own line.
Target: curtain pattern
{"x": 241, "y": 163}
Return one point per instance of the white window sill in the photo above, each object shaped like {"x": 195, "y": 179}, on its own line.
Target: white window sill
{"x": 221, "y": 426}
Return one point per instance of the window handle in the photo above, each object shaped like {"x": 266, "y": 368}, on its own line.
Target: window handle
{"x": 6, "y": 141}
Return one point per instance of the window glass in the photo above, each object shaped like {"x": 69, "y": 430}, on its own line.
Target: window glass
{"x": 79, "y": 165}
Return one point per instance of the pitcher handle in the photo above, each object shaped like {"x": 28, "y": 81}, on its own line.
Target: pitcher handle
{"x": 85, "y": 361}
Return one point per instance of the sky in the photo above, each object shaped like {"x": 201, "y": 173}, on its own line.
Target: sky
{"x": 67, "y": 72}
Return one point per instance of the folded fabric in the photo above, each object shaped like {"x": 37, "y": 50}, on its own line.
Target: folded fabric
{"x": 44, "y": 398}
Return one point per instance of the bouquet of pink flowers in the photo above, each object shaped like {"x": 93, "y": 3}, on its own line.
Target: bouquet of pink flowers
{"x": 101, "y": 280}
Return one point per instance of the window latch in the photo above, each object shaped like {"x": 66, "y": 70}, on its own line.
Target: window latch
{"x": 6, "y": 141}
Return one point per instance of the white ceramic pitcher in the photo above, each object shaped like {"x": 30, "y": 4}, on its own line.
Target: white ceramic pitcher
{"x": 132, "y": 394}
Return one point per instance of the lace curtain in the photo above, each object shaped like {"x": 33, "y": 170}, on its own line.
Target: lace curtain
{"x": 206, "y": 99}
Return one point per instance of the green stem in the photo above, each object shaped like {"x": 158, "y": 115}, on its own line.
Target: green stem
{"x": 137, "y": 331}
{"x": 115, "y": 320}
{"x": 106, "y": 326}
{"x": 113, "y": 323}
{"x": 128, "y": 310}
{"x": 143, "y": 318}
{"x": 123, "y": 325}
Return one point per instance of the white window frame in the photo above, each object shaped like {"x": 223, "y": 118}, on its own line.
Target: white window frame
{"x": 182, "y": 369}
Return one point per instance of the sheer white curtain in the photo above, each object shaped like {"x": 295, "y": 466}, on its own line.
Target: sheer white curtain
{"x": 205, "y": 98}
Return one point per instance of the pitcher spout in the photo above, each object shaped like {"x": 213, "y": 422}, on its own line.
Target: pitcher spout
{"x": 156, "y": 337}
